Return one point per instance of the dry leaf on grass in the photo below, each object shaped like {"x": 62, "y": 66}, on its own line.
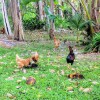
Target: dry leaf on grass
{"x": 95, "y": 82}
{"x": 49, "y": 88}
{"x": 23, "y": 78}
{"x": 30, "y": 81}
{"x": 62, "y": 72}
{"x": 17, "y": 87}
{"x": 86, "y": 90}
{"x": 10, "y": 78}
{"x": 16, "y": 70}
{"x": 52, "y": 70}
{"x": 43, "y": 75}
{"x": 24, "y": 70}
{"x": 19, "y": 81}
{"x": 10, "y": 96}
{"x": 70, "y": 89}
{"x": 36, "y": 72}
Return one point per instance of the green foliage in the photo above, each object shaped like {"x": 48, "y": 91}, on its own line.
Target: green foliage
{"x": 30, "y": 18}
{"x": 30, "y": 23}
{"x": 96, "y": 41}
{"x": 1, "y": 20}
{"x": 25, "y": 2}
{"x": 49, "y": 13}
{"x": 61, "y": 23}
{"x": 29, "y": 15}
{"x": 77, "y": 22}
{"x": 94, "y": 44}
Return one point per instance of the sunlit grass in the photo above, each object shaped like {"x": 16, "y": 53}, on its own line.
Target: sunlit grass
{"x": 51, "y": 74}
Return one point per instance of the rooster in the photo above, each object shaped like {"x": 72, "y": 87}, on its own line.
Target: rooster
{"x": 71, "y": 56}
{"x": 56, "y": 42}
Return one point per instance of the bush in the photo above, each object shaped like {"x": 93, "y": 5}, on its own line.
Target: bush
{"x": 32, "y": 23}
{"x": 94, "y": 45}
{"x": 61, "y": 23}
{"x": 96, "y": 41}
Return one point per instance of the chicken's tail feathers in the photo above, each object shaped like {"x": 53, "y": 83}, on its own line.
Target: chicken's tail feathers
{"x": 36, "y": 53}
{"x": 17, "y": 57}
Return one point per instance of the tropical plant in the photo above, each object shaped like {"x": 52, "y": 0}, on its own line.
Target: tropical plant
{"x": 94, "y": 44}
{"x": 30, "y": 23}
{"x": 78, "y": 23}
{"x": 96, "y": 41}
{"x": 61, "y": 23}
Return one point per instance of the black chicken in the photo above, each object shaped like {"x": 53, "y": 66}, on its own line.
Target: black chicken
{"x": 71, "y": 56}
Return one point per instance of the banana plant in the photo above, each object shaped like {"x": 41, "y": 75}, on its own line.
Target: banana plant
{"x": 49, "y": 15}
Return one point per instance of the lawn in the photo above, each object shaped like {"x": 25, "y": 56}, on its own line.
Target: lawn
{"x": 52, "y": 82}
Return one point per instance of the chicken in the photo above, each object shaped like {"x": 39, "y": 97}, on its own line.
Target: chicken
{"x": 27, "y": 62}
{"x": 22, "y": 62}
{"x": 35, "y": 57}
{"x": 71, "y": 56}
{"x": 56, "y": 42}
{"x": 76, "y": 76}
{"x": 2, "y": 31}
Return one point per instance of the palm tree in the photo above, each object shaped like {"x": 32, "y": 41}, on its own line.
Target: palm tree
{"x": 78, "y": 23}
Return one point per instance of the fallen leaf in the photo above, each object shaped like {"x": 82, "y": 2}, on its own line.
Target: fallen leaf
{"x": 10, "y": 96}
{"x": 52, "y": 70}
{"x": 24, "y": 70}
{"x": 23, "y": 78}
{"x": 18, "y": 81}
{"x": 17, "y": 87}
{"x": 49, "y": 88}
{"x": 43, "y": 75}
{"x": 94, "y": 82}
{"x": 16, "y": 70}
{"x": 30, "y": 81}
{"x": 81, "y": 89}
{"x": 10, "y": 78}
{"x": 86, "y": 90}
{"x": 62, "y": 72}
{"x": 36, "y": 72}
{"x": 70, "y": 89}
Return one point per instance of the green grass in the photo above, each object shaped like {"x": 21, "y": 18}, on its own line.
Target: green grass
{"x": 50, "y": 83}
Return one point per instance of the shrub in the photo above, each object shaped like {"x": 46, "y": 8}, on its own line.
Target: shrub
{"x": 32, "y": 23}
{"x": 94, "y": 45}
{"x": 61, "y": 23}
{"x": 96, "y": 41}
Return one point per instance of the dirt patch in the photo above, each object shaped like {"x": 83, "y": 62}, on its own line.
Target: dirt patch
{"x": 6, "y": 43}
{"x": 91, "y": 56}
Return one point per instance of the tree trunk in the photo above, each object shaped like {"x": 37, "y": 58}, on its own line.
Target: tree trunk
{"x": 59, "y": 9}
{"x": 93, "y": 11}
{"x": 72, "y": 4}
{"x": 41, "y": 10}
{"x": 6, "y": 21}
{"x": 52, "y": 26}
{"x": 17, "y": 20}
{"x": 88, "y": 17}
{"x": 98, "y": 15}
